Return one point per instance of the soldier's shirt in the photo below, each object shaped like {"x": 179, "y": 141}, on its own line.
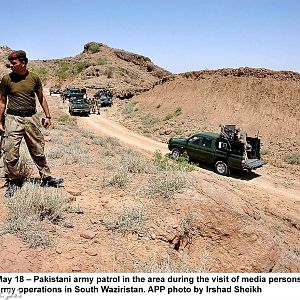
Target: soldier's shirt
{"x": 21, "y": 90}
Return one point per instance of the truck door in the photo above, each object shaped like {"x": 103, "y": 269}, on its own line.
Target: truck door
{"x": 192, "y": 147}
{"x": 206, "y": 149}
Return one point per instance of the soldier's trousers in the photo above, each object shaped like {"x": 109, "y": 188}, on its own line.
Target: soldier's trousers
{"x": 17, "y": 128}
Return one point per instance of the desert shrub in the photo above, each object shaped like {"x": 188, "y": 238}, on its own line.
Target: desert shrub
{"x": 29, "y": 207}
{"x": 265, "y": 151}
{"x": 130, "y": 219}
{"x": 164, "y": 264}
{"x": 62, "y": 70}
{"x": 292, "y": 158}
{"x": 165, "y": 184}
{"x": 165, "y": 163}
{"x": 111, "y": 146}
{"x": 41, "y": 72}
{"x": 79, "y": 66}
{"x": 97, "y": 140}
{"x": 76, "y": 153}
{"x": 109, "y": 142}
{"x": 55, "y": 153}
{"x": 129, "y": 108}
{"x": 177, "y": 112}
{"x": 188, "y": 223}
{"x": 67, "y": 120}
{"x": 178, "y": 130}
{"x": 148, "y": 120}
{"x": 86, "y": 133}
{"x": 119, "y": 178}
{"x": 101, "y": 61}
{"x": 110, "y": 72}
{"x": 135, "y": 163}
{"x": 94, "y": 48}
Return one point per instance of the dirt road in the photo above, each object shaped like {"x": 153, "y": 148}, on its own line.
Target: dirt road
{"x": 105, "y": 126}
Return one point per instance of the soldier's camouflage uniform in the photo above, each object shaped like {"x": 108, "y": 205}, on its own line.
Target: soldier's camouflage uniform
{"x": 15, "y": 129}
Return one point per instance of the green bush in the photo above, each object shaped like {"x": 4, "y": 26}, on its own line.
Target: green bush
{"x": 292, "y": 158}
{"x": 176, "y": 113}
{"x": 178, "y": 130}
{"x": 42, "y": 73}
{"x": 79, "y": 66}
{"x": 164, "y": 163}
{"x": 129, "y": 108}
{"x": 94, "y": 48}
{"x": 67, "y": 120}
{"x": 62, "y": 70}
{"x": 149, "y": 120}
{"x": 101, "y": 61}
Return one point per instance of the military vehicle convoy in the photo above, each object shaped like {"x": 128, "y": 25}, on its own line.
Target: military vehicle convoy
{"x": 227, "y": 150}
{"x": 104, "y": 96}
{"x": 69, "y": 91}
{"x": 54, "y": 90}
{"x": 78, "y": 104}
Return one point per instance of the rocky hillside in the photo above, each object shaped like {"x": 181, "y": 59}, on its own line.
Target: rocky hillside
{"x": 98, "y": 66}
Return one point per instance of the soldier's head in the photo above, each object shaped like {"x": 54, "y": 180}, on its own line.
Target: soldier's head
{"x": 18, "y": 61}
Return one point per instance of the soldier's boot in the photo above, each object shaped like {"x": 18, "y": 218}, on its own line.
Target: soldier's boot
{"x": 51, "y": 181}
{"x": 11, "y": 186}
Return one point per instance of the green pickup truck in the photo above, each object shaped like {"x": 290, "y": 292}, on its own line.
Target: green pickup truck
{"x": 230, "y": 149}
{"x": 78, "y": 105}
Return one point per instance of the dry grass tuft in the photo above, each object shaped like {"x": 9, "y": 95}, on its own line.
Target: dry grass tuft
{"x": 165, "y": 184}
{"x": 130, "y": 219}
{"x": 29, "y": 207}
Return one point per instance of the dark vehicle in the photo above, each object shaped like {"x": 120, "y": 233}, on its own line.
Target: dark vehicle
{"x": 230, "y": 149}
{"x": 79, "y": 105}
{"x": 69, "y": 91}
{"x": 54, "y": 90}
{"x": 105, "y": 97}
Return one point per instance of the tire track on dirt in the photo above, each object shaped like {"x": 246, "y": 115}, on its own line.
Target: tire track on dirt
{"x": 101, "y": 125}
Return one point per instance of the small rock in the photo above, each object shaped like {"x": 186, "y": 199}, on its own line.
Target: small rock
{"x": 91, "y": 252}
{"x": 74, "y": 192}
{"x": 47, "y": 138}
{"x": 58, "y": 250}
{"x": 153, "y": 236}
{"x": 88, "y": 234}
{"x": 76, "y": 269}
{"x": 93, "y": 221}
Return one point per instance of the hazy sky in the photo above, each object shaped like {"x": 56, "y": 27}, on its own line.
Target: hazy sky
{"x": 178, "y": 35}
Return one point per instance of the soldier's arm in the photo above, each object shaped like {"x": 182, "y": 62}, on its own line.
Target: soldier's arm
{"x": 3, "y": 100}
{"x": 44, "y": 105}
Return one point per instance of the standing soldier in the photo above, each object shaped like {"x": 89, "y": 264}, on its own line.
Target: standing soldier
{"x": 20, "y": 88}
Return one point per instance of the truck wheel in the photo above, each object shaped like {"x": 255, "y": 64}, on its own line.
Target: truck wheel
{"x": 221, "y": 167}
{"x": 176, "y": 153}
